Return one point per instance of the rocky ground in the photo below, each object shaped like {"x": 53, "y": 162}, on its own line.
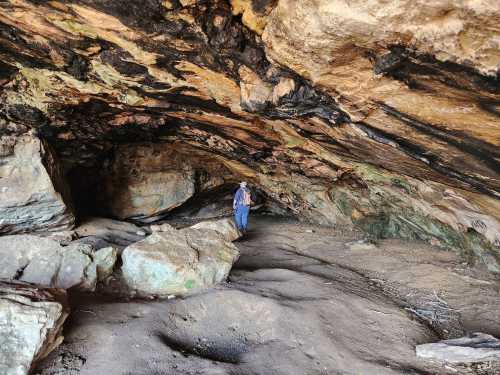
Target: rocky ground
{"x": 300, "y": 300}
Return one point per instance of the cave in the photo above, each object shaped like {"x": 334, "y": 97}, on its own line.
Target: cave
{"x": 367, "y": 133}
{"x": 147, "y": 183}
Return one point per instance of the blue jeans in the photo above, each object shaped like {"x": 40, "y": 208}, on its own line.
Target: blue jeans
{"x": 241, "y": 216}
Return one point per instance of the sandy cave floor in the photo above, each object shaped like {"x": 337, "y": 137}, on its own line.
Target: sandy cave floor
{"x": 297, "y": 302}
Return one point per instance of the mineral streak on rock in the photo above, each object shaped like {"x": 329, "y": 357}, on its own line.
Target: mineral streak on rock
{"x": 383, "y": 115}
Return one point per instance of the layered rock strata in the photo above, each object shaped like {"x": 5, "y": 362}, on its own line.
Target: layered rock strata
{"x": 33, "y": 193}
{"x": 383, "y": 115}
{"x": 31, "y": 322}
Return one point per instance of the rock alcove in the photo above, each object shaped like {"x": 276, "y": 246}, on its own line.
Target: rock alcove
{"x": 368, "y": 117}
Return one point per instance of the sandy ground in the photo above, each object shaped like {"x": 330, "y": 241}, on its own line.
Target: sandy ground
{"x": 301, "y": 300}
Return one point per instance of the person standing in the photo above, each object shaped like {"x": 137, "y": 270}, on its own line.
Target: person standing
{"x": 241, "y": 206}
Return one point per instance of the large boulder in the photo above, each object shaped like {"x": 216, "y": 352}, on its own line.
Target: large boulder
{"x": 177, "y": 262}
{"x": 45, "y": 262}
{"x": 33, "y": 196}
{"x": 31, "y": 322}
{"x": 145, "y": 181}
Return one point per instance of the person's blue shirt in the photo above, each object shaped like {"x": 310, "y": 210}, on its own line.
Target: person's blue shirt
{"x": 239, "y": 197}
{"x": 241, "y": 210}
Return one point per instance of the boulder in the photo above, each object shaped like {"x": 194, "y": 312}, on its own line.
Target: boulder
{"x": 177, "y": 262}
{"x": 162, "y": 228}
{"x": 31, "y": 322}
{"x": 478, "y": 347}
{"x": 103, "y": 232}
{"x": 226, "y": 227}
{"x": 146, "y": 181}
{"x": 45, "y": 262}
{"x": 33, "y": 196}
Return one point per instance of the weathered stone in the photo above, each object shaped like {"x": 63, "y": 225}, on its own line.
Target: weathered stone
{"x": 478, "y": 347}
{"x": 226, "y": 227}
{"x": 32, "y": 194}
{"x": 63, "y": 237}
{"x": 377, "y": 114}
{"x": 31, "y": 322}
{"x": 177, "y": 262}
{"x": 144, "y": 183}
{"x": 105, "y": 260}
{"x": 76, "y": 268}
{"x": 162, "y": 228}
{"x": 103, "y": 232}
{"x": 44, "y": 262}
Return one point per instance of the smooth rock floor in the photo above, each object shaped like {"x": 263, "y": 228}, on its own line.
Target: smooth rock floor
{"x": 297, "y": 302}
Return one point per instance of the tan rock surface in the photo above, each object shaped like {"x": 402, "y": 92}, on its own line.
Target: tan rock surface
{"x": 378, "y": 114}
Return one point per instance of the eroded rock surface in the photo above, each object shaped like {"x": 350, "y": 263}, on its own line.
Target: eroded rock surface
{"x": 103, "y": 232}
{"x": 33, "y": 193}
{"x": 368, "y": 113}
{"x": 31, "y": 322}
{"x": 44, "y": 262}
{"x": 226, "y": 227}
{"x": 143, "y": 182}
{"x": 478, "y": 352}
{"x": 177, "y": 262}
{"x": 478, "y": 347}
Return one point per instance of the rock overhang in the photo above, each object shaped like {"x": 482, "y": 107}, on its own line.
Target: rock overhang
{"x": 392, "y": 125}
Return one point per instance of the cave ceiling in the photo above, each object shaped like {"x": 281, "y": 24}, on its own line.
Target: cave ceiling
{"x": 298, "y": 97}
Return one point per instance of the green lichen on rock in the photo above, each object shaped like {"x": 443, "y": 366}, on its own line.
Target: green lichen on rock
{"x": 388, "y": 206}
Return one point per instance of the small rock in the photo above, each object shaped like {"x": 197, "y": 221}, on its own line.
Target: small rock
{"x": 162, "y": 228}
{"x": 105, "y": 260}
{"x": 76, "y": 268}
{"x": 140, "y": 233}
{"x": 435, "y": 242}
{"x": 478, "y": 347}
{"x": 166, "y": 228}
{"x": 63, "y": 237}
{"x": 361, "y": 245}
{"x": 226, "y": 227}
